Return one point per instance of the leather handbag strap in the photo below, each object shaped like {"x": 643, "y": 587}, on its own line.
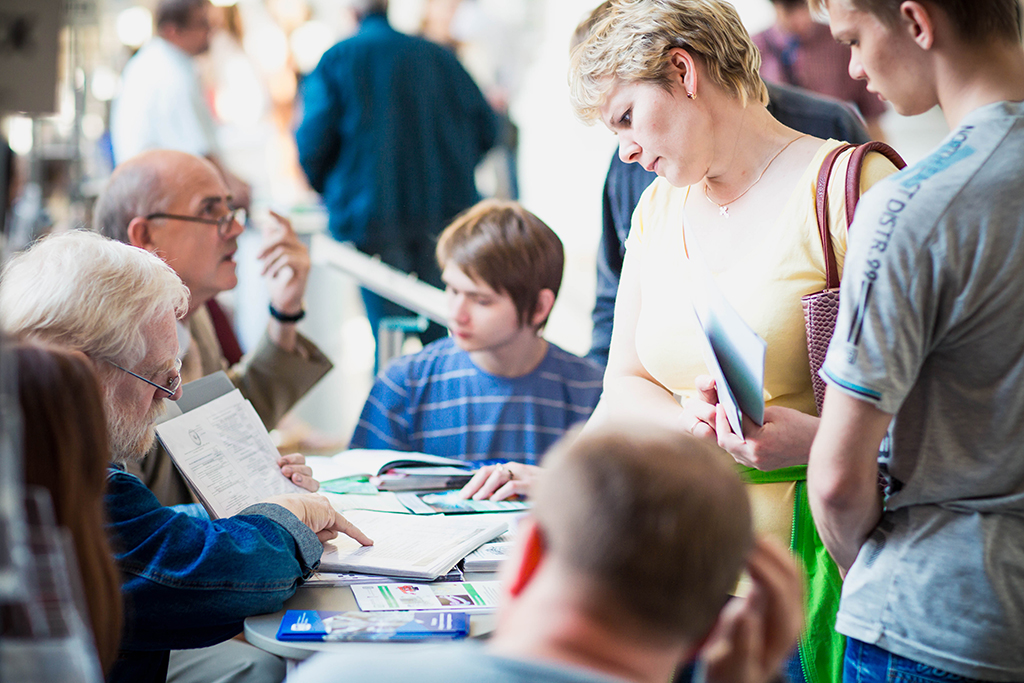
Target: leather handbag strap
{"x": 821, "y": 209}
{"x": 853, "y": 174}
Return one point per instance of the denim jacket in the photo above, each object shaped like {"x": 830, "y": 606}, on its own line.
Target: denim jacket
{"x": 189, "y": 582}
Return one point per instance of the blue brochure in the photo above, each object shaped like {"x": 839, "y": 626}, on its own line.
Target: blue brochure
{"x": 372, "y": 626}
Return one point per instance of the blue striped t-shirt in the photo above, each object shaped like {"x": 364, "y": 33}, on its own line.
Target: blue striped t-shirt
{"x": 437, "y": 401}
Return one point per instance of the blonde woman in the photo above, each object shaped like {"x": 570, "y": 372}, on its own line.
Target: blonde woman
{"x": 677, "y": 81}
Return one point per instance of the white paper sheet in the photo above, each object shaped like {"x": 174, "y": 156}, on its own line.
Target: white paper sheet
{"x": 224, "y": 451}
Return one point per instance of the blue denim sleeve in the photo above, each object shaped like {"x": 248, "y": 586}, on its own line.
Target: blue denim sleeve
{"x": 189, "y": 582}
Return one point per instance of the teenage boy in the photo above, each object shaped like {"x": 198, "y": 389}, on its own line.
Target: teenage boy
{"x": 495, "y": 388}
{"x": 929, "y": 339}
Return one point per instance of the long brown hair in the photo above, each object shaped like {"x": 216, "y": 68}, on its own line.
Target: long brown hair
{"x": 66, "y": 452}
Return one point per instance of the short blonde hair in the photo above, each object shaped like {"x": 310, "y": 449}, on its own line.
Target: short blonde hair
{"x": 631, "y": 42}
{"x": 83, "y": 291}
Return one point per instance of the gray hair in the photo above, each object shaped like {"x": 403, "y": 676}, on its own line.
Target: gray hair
{"x": 133, "y": 190}
{"x": 83, "y": 291}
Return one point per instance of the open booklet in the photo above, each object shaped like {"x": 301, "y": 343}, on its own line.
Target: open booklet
{"x": 388, "y": 470}
{"x": 410, "y": 546}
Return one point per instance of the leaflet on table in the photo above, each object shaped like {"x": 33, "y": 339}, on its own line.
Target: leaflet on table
{"x": 449, "y": 502}
{"x": 410, "y": 546}
{"x": 313, "y": 625}
{"x": 733, "y": 352}
{"x": 477, "y": 596}
{"x": 225, "y": 454}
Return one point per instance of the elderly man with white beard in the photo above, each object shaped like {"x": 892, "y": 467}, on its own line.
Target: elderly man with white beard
{"x": 118, "y": 305}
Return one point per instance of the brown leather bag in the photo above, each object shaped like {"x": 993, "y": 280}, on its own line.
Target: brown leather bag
{"x": 821, "y": 309}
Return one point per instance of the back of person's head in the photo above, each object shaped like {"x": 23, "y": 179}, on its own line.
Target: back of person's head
{"x": 364, "y": 8}
{"x": 137, "y": 187}
{"x": 631, "y": 42}
{"x": 83, "y": 291}
{"x": 976, "y": 21}
{"x": 505, "y": 246}
{"x": 177, "y": 12}
{"x": 64, "y": 437}
{"x": 656, "y": 523}
{"x": 789, "y": 4}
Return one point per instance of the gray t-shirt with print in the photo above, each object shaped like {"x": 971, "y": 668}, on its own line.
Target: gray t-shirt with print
{"x": 931, "y": 329}
{"x": 435, "y": 663}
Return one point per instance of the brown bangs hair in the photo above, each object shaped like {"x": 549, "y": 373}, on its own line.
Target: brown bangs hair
{"x": 507, "y": 247}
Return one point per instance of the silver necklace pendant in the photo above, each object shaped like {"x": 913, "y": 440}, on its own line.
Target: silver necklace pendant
{"x": 723, "y": 211}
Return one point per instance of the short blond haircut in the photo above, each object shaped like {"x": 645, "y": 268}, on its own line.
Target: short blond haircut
{"x": 655, "y": 524}
{"x": 83, "y": 291}
{"x": 631, "y": 42}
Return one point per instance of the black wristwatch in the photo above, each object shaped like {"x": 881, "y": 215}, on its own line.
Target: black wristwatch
{"x": 285, "y": 317}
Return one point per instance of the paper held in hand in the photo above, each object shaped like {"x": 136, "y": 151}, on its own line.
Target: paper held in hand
{"x": 733, "y": 352}
{"x": 225, "y": 454}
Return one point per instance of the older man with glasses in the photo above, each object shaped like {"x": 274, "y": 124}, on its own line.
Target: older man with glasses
{"x": 187, "y": 582}
{"x": 177, "y": 206}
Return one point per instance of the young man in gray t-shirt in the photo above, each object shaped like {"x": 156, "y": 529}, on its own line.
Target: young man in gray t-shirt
{"x": 930, "y": 339}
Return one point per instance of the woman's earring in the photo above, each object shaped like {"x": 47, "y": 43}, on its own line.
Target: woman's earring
{"x": 690, "y": 96}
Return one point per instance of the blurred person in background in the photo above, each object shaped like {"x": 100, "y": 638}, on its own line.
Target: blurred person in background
{"x": 65, "y": 448}
{"x": 161, "y": 104}
{"x": 392, "y": 131}
{"x": 798, "y": 50}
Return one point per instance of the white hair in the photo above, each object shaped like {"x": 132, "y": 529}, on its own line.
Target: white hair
{"x": 83, "y": 291}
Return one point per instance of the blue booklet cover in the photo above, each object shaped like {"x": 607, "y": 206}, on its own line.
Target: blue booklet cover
{"x": 380, "y": 626}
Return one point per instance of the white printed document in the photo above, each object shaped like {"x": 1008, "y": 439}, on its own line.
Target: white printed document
{"x": 409, "y": 546}
{"x": 225, "y": 454}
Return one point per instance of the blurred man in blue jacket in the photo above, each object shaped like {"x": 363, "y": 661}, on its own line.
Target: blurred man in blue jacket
{"x": 391, "y": 135}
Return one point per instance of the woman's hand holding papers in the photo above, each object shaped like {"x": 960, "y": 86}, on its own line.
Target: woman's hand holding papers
{"x": 316, "y": 512}
{"x": 294, "y": 467}
{"x": 498, "y": 482}
{"x": 756, "y": 633}
{"x": 784, "y": 440}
